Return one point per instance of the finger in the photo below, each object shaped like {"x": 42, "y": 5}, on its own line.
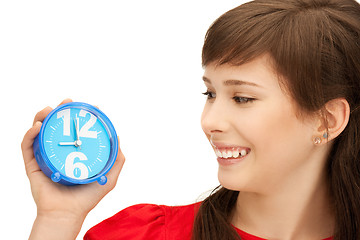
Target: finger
{"x": 66, "y": 100}
{"x": 114, "y": 172}
{"x": 40, "y": 116}
{"x": 116, "y": 169}
{"x": 27, "y": 148}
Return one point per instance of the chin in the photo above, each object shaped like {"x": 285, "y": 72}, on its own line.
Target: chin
{"x": 231, "y": 182}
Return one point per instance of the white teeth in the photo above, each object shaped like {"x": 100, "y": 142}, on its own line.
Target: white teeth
{"x": 230, "y": 154}
{"x": 235, "y": 154}
{"x": 243, "y": 152}
{"x": 218, "y": 153}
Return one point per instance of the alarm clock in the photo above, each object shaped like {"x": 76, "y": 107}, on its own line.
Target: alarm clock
{"x": 77, "y": 144}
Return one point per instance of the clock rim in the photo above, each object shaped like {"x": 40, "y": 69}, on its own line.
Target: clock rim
{"x": 108, "y": 127}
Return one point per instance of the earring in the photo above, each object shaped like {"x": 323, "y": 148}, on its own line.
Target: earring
{"x": 325, "y": 135}
{"x": 317, "y": 140}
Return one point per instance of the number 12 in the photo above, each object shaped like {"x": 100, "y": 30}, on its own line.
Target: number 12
{"x": 84, "y": 131}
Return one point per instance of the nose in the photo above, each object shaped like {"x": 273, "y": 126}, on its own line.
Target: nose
{"x": 215, "y": 118}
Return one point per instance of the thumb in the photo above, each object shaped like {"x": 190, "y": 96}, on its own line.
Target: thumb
{"x": 27, "y": 148}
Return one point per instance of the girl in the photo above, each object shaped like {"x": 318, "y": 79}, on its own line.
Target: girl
{"x": 282, "y": 115}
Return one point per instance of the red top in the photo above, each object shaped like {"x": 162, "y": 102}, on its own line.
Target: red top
{"x": 152, "y": 222}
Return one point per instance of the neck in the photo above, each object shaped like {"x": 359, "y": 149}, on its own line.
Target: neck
{"x": 298, "y": 209}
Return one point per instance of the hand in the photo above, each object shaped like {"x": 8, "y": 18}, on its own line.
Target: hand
{"x": 56, "y": 201}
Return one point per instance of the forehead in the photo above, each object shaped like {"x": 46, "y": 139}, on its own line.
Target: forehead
{"x": 258, "y": 72}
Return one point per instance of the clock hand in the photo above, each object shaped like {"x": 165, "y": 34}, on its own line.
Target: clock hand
{"x": 77, "y": 128}
{"x": 77, "y": 141}
{"x": 67, "y": 143}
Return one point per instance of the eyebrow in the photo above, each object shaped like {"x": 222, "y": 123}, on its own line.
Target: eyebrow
{"x": 233, "y": 82}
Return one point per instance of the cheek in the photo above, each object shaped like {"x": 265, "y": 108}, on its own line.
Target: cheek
{"x": 264, "y": 124}
{"x": 275, "y": 136}
{"x": 278, "y": 141}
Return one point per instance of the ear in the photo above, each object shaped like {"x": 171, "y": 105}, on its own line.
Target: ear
{"x": 336, "y": 115}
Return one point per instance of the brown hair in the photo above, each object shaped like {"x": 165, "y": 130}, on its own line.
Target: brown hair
{"x": 315, "y": 48}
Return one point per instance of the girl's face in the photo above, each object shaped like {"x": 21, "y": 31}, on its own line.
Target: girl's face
{"x": 260, "y": 142}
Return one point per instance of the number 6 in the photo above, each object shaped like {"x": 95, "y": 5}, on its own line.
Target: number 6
{"x": 70, "y": 166}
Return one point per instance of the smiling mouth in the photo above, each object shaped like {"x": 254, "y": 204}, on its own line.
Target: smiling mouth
{"x": 231, "y": 153}
{"x": 228, "y": 151}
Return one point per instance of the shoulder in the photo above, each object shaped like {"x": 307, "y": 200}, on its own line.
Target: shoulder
{"x": 146, "y": 221}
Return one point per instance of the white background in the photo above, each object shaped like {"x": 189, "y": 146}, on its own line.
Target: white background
{"x": 140, "y": 62}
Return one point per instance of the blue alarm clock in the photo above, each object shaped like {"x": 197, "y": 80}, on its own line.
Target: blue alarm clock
{"x": 77, "y": 144}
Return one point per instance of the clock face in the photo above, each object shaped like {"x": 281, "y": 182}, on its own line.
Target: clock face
{"x": 76, "y": 143}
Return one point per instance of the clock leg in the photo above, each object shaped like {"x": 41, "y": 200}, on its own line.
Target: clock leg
{"x": 56, "y": 177}
{"x": 102, "y": 180}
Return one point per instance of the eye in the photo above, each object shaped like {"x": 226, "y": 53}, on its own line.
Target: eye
{"x": 209, "y": 94}
{"x": 243, "y": 99}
